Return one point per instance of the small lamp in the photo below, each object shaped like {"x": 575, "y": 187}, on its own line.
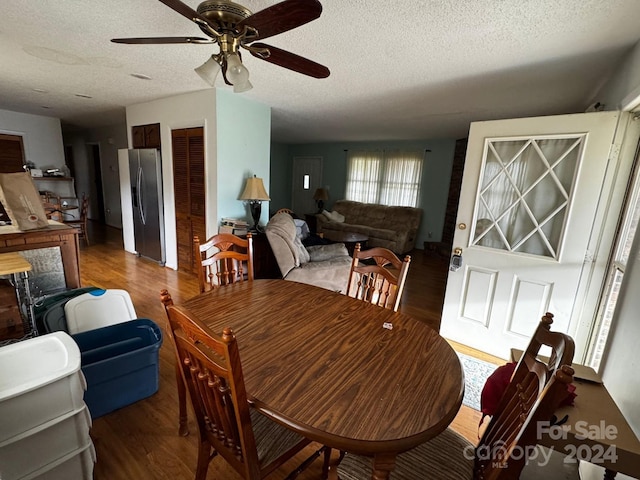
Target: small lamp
{"x": 321, "y": 195}
{"x": 255, "y": 193}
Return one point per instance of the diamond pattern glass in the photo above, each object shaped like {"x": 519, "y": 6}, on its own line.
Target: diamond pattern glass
{"x": 525, "y": 192}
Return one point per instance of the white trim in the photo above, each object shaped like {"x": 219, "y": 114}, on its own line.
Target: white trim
{"x": 631, "y": 102}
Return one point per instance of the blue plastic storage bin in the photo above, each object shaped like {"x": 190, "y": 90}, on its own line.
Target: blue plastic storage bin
{"x": 120, "y": 363}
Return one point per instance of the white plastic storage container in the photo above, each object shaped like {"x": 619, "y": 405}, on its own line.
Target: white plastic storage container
{"x": 97, "y": 309}
{"x": 77, "y": 465}
{"x": 36, "y": 448}
{"x": 40, "y": 379}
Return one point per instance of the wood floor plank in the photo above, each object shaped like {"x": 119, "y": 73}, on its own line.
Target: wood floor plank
{"x": 141, "y": 441}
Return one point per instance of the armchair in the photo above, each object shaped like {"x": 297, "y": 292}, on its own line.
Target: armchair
{"x": 325, "y": 266}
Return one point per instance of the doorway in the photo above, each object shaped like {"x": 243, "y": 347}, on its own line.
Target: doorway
{"x": 96, "y": 193}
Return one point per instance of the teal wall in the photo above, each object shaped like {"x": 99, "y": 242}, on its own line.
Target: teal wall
{"x": 243, "y": 142}
{"x": 435, "y": 176}
{"x": 280, "y": 177}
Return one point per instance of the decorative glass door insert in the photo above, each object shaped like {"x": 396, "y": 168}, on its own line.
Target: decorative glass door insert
{"x": 525, "y": 192}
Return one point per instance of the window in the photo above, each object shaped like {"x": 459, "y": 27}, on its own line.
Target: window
{"x": 387, "y": 177}
{"x": 617, "y": 267}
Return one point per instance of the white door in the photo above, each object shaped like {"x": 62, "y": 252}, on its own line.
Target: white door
{"x": 307, "y": 176}
{"x": 526, "y": 216}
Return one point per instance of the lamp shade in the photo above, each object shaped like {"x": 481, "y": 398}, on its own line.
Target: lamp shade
{"x": 208, "y": 71}
{"x": 237, "y": 74}
{"x": 321, "y": 194}
{"x": 254, "y": 190}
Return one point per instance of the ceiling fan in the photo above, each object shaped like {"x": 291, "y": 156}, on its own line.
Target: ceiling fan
{"x": 232, "y": 27}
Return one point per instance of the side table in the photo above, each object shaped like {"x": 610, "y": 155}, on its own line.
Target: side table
{"x": 312, "y": 222}
{"x": 264, "y": 262}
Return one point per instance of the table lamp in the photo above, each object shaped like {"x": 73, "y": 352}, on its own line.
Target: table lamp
{"x": 321, "y": 195}
{"x": 255, "y": 193}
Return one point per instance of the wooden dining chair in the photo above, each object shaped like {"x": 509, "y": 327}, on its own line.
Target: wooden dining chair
{"x": 251, "y": 443}
{"x": 380, "y": 279}
{"x": 222, "y": 260}
{"x": 535, "y": 391}
{"x": 80, "y": 223}
{"x": 53, "y": 211}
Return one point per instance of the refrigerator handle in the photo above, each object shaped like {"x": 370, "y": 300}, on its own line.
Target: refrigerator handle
{"x": 140, "y": 197}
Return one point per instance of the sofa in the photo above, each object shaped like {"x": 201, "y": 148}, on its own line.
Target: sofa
{"x": 395, "y": 228}
{"x": 325, "y": 266}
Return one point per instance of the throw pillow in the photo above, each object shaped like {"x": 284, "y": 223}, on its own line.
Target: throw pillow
{"x": 334, "y": 216}
{"x": 302, "y": 229}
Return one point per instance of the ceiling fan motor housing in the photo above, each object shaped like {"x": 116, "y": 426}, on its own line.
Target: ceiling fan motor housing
{"x": 224, "y": 14}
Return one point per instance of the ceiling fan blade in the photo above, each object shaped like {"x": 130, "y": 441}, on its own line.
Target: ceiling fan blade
{"x": 150, "y": 40}
{"x": 185, "y": 10}
{"x": 181, "y": 8}
{"x": 282, "y": 17}
{"x": 291, "y": 61}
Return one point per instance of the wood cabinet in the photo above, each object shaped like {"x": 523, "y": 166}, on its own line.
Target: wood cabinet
{"x": 264, "y": 262}
{"x": 189, "y": 192}
{"x": 63, "y": 236}
{"x": 146, "y": 136}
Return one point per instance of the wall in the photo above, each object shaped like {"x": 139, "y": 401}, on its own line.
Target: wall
{"x": 435, "y": 176}
{"x": 42, "y": 137}
{"x": 624, "y": 84}
{"x": 196, "y": 109}
{"x": 243, "y": 139}
{"x": 280, "y": 181}
{"x": 234, "y": 148}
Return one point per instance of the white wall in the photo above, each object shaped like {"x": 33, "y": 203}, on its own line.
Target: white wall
{"x": 42, "y": 137}
{"x": 625, "y": 82}
{"x": 237, "y": 136}
{"x": 196, "y": 109}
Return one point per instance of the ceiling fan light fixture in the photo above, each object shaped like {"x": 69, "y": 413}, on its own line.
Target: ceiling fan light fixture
{"x": 242, "y": 87}
{"x": 208, "y": 71}
{"x": 237, "y": 74}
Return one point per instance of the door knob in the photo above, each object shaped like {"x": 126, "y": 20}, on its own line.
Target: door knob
{"x": 462, "y": 226}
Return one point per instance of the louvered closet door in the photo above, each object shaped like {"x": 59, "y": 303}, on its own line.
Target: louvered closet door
{"x": 189, "y": 193}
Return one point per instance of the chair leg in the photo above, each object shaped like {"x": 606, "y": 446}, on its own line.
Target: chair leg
{"x": 325, "y": 463}
{"x": 205, "y": 455}
{"x": 304, "y": 465}
{"x": 183, "y": 428}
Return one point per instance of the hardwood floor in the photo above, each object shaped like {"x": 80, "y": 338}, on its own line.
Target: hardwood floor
{"x": 141, "y": 441}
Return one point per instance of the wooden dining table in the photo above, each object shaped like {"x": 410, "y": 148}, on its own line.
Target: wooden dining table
{"x": 342, "y": 372}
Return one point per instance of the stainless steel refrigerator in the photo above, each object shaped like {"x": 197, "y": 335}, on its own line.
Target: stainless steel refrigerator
{"x": 145, "y": 169}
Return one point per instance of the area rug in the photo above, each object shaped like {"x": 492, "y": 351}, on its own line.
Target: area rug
{"x": 476, "y": 373}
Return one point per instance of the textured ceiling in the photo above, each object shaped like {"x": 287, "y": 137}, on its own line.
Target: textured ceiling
{"x": 402, "y": 69}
